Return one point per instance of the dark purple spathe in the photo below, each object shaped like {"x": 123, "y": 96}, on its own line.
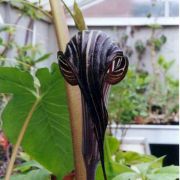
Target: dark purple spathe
{"x": 94, "y": 62}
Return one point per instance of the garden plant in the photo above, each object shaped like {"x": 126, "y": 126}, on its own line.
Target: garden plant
{"x": 36, "y": 140}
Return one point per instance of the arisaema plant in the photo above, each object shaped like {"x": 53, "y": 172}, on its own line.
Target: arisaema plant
{"x": 93, "y": 62}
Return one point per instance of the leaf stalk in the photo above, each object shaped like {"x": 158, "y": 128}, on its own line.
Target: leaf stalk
{"x": 19, "y": 140}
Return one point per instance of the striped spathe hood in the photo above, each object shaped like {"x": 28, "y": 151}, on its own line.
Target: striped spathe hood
{"x": 93, "y": 62}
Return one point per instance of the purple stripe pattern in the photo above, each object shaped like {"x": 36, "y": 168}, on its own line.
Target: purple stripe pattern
{"x": 93, "y": 62}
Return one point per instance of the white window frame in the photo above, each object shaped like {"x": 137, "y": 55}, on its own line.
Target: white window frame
{"x": 128, "y": 21}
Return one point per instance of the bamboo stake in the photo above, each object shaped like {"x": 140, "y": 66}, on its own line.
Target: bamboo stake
{"x": 73, "y": 92}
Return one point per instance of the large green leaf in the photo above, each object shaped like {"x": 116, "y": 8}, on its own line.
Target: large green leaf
{"x": 47, "y": 138}
{"x": 165, "y": 173}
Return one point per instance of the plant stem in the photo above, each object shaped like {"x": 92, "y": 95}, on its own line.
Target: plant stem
{"x": 67, "y": 8}
{"x": 30, "y": 25}
{"x": 73, "y": 92}
{"x": 19, "y": 140}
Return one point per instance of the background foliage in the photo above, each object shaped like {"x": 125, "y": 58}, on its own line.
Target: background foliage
{"x": 146, "y": 97}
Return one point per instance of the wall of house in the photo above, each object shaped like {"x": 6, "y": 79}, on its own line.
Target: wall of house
{"x": 42, "y": 33}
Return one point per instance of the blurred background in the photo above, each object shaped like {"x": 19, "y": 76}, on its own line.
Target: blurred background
{"x": 143, "y": 108}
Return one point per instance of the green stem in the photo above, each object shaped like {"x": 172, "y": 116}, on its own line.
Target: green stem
{"x": 68, "y": 9}
{"x": 19, "y": 140}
